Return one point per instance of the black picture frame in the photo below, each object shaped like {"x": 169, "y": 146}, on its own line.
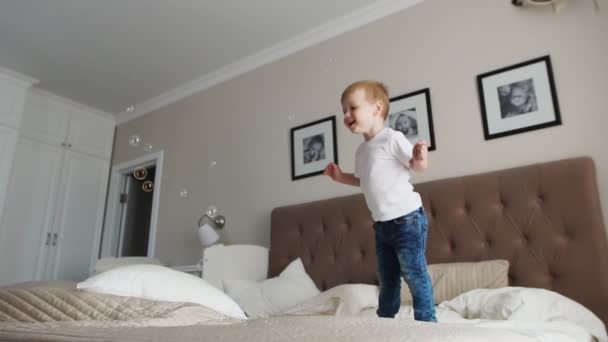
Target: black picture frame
{"x": 502, "y": 111}
{"x": 307, "y": 161}
{"x": 416, "y": 108}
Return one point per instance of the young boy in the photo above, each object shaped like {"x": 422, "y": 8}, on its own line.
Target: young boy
{"x": 382, "y": 170}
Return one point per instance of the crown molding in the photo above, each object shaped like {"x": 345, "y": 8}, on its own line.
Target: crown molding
{"x": 21, "y": 79}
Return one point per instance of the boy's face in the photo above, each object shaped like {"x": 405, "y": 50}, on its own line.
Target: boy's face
{"x": 403, "y": 123}
{"x": 316, "y": 147}
{"x": 359, "y": 113}
{"x": 518, "y": 96}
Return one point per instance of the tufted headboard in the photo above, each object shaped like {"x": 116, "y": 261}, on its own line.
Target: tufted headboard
{"x": 545, "y": 219}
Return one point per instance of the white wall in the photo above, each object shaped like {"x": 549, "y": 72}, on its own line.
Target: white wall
{"x": 442, "y": 44}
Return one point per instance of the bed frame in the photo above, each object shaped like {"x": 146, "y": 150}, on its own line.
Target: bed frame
{"x": 545, "y": 219}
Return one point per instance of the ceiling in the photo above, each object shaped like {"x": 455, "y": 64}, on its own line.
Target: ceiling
{"x": 113, "y": 54}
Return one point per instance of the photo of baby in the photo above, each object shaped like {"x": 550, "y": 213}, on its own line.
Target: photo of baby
{"x": 314, "y": 148}
{"x": 517, "y": 98}
{"x": 406, "y": 122}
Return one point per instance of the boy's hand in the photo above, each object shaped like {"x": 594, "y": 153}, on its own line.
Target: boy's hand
{"x": 420, "y": 151}
{"x": 332, "y": 170}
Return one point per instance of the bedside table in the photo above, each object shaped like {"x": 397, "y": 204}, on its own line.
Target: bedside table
{"x": 192, "y": 269}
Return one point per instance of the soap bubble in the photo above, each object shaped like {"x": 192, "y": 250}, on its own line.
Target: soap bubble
{"x": 134, "y": 140}
{"x": 183, "y": 193}
{"x": 212, "y": 211}
{"x": 148, "y": 147}
{"x": 291, "y": 116}
{"x": 140, "y": 173}
{"x": 148, "y": 186}
{"x": 212, "y": 164}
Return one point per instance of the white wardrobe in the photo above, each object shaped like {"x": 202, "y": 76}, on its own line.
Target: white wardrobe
{"x": 12, "y": 96}
{"x": 51, "y": 224}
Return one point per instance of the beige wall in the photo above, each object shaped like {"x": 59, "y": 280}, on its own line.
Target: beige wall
{"x": 442, "y": 44}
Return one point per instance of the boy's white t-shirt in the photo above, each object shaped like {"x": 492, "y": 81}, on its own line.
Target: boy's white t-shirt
{"x": 382, "y": 165}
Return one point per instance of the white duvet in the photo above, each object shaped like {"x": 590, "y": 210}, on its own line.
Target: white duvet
{"x": 539, "y": 314}
{"x": 539, "y": 330}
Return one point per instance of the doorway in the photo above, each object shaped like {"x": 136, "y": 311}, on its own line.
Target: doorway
{"x": 136, "y": 201}
{"x": 132, "y": 208}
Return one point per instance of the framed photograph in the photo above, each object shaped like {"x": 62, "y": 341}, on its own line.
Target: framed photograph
{"x": 313, "y": 147}
{"x": 518, "y": 98}
{"x": 411, "y": 115}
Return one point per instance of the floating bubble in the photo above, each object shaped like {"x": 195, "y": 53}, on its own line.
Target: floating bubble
{"x": 148, "y": 186}
{"x": 134, "y": 140}
{"x": 212, "y": 164}
{"x": 291, "y": 116}
{"x": 212, "y": 211}
{"x": 148, "y": 147}
{"x": 183, "y": 193}
{"x": 140, "y": 173}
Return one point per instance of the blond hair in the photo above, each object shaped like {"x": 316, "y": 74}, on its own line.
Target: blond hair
{"x": 374, "y": 91}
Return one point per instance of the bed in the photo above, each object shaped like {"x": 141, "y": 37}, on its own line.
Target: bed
{"x": 545, "y": 219}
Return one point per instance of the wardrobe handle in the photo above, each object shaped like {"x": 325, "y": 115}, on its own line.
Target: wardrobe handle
{"x": 54, "y": 239}
{"x": 48, "y": 239}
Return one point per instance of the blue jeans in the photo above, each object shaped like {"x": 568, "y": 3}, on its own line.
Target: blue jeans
{"x": 400, "y": 247}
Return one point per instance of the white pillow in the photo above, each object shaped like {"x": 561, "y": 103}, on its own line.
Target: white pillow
{"x": 494, "y": 304}
{"x": 108, "y": 263}
{"x": 163, "y": 284}
{"x": 271, "y": 296}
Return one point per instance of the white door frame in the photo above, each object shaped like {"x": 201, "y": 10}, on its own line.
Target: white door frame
{"x": 113, "y": 214}
{"x": 124, "y": 184}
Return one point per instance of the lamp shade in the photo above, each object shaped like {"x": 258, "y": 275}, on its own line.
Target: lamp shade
{"x": 207, "y": 235}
